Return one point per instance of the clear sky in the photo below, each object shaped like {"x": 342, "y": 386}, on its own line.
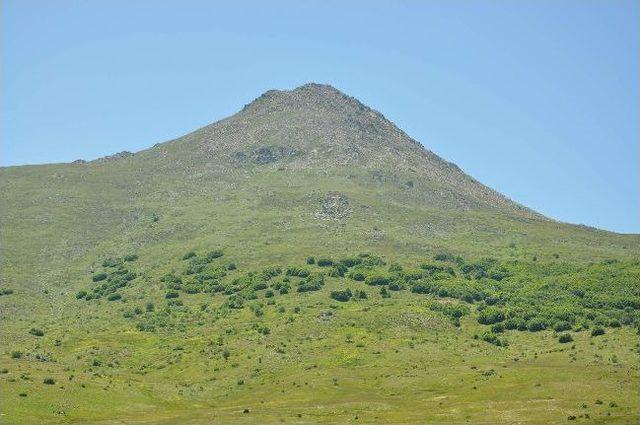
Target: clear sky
{"x": 537, "y": 99}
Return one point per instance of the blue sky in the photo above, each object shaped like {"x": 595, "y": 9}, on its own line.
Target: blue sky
{"x": 537, "y": 99}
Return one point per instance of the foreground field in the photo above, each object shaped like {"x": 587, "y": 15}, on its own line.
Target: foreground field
{"x": 304, "y": 357}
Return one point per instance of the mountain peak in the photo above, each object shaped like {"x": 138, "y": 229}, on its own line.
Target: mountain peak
{"x": 318, "y": 127}
{"x": 308, "y": 95}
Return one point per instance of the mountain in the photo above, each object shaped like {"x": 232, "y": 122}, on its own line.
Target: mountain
{"x": 309, "y": 172}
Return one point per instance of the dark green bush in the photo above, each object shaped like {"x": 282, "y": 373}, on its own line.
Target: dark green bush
{"x": 171, "y": 294}
{"x": 99, "y": 277}
{"x": 36, "y": 332}
{"x": 422, "y": 288}
{"x": 350, "y": 261}
{"x": 377, "y": 279}
{"x": 515, "y": 323}
{"x": 311, "y": 260}
{"x": 231, "y": 266}
{"x": 342, "y": 296}
{"x": 6, "y": 291}
{"x": 114, "y": 297}
{"x": 562, "y": 326}
{"x": 271, "y": 272}
{"x": 490, "y": 316}
{"x": 235, "y": 301}
{"x": 497, "y": 328}
{"x": 216, "y": 253}
{"x": 394, "y": 285}
{"x": 311, "y": 283}
{"x": 493, "y": 339}
{"x": 49, "y": 381}
{"x": 536, "y": 324}
{"x": 16, "y": 354}
{"x": 338, "y": 270}
{"x": 325, "y": 262}
{"x": 564, "y": 338}
{"x": 297, "y": 271}
{"x": 357, "y": 275}
{"x": 81, "y": 294}
{"x": 130, "y": 257}
{"x": 597, "y": 331}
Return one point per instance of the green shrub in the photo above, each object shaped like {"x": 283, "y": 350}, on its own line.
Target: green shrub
{"x": 311, "y": 260}
{"x": 99, "y": 277}
{"x": 338, "y": 270}
{"x": 325, "y": 262}
{"x": 216, "y": 253}
{"x": 497, "y": 328}
{"x": 564, "y": 338}
{"x": 49, "y": 381}
{"x": 377, "y": 279}
{"x": 130, "y": 257}
{"x": 269, "y": 294}
{"x": 597, "y": 331}
{"x": 36, "y": 332}
{"x": 493, "y": 339}
{"x": 614, "y": 324}
{"x": 171, "y": 294}
{"x": 562, "y": 326}
{"x": 422, "y": 288}
{"x": 235, "y": 302}
{"x": 271, "y": 272}
{"x": 350, "y": 261}
{"x": 150, "y": 307}
{"x": 311, "y": 283}
{"x": 297, "y": 271}
{"x": 490, "y": 316}
{"x": 536, "y": 324}
{"x": 357, "y": 275}
{"x": 16, "y": 354}
{"x": 384, "y": 293}
{"x": 361, "y": 295}
{"x": 515, "y": 323}
{"x": 6, "y": 291}
{"x": 114, "y": 297}
{"x": 81, "y": 294}
{"x": 231, "y": 266}
{"x": 394, "y": 285}
{"x": 431, "y": 268}
{"x": 282, "y": 287}
{"x": 342, "y": 296}
{"x": 446, "y": 257}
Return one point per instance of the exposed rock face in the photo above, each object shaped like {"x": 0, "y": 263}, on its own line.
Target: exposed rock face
{"x": 335, "y": 206}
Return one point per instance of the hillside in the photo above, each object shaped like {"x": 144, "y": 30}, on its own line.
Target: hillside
{"x": 157, "y": 280}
